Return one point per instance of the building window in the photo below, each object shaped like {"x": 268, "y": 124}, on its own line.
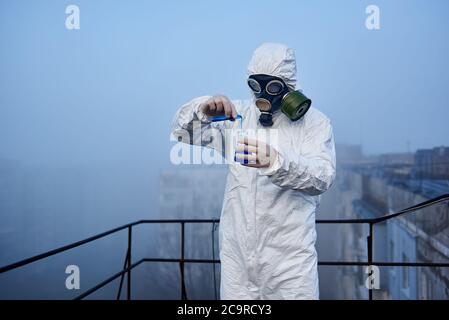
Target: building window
{"x": 405, "y": 273}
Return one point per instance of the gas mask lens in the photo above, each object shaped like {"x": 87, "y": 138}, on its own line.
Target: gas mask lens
{"x": 254, "y": 85}
{"x": 274, "y": 87}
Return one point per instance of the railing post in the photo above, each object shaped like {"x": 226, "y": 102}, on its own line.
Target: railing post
{"x": 181, "y": 263}
{"x": 130, "y": 236}
{"x": 125, "y": 266}
{"x": 370, "y": 256}
{"x": 213, "y": 258}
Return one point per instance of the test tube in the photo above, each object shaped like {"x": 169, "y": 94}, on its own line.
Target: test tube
{"x": 223, "y": 118}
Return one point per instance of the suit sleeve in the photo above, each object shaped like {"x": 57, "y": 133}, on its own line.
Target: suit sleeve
{"x": 190, "y": 125}
{"x": 311, "y": 172}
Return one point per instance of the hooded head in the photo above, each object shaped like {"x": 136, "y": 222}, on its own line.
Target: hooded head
{"x": 272, "y": 79}
{"x": 277, "y": 60}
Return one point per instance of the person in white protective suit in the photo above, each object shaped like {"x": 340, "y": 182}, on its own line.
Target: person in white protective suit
{"x": 267, "y": 228}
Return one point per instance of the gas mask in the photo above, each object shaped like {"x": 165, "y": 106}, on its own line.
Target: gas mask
{"x": 272, "y": 94}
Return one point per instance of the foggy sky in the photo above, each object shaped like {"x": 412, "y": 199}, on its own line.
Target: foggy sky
{"x": 107, "y": 92}
{"x": 100, "y": 100}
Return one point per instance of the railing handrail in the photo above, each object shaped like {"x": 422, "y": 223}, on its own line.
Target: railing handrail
{"x": 53, "y": 252}
{"x": 73, "y": 245}
{"x": 418, "y": 206}
{"x": 128, "y": 265}
{"x": 44, "y": 255}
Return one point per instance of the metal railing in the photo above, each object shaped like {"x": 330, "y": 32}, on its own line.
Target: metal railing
{"x": 129, "y": 266}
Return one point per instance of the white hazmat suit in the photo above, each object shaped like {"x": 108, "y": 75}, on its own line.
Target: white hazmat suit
{"x": 267, "y": 229}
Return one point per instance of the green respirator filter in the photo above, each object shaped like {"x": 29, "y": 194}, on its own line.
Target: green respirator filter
{"x": 295, "y": 105}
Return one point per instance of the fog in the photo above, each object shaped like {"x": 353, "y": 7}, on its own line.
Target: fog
{"x": 85, "y": 114}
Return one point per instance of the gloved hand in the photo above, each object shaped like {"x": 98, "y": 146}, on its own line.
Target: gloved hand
{"x": 217, "y": 106}
{"x": 254, "y": 153}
